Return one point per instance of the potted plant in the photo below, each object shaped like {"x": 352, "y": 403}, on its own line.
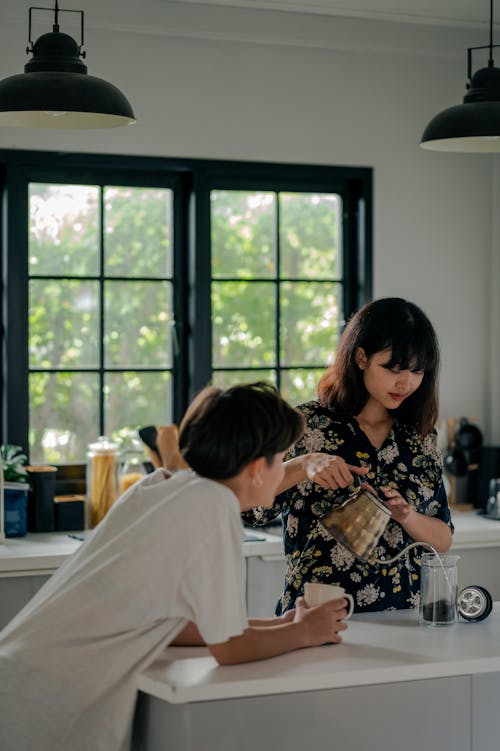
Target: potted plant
{"x": 15, "y": 491}
{"x": 13, "y": 463}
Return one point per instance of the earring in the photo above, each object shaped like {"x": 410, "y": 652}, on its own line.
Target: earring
{"x": 258, "y": 482}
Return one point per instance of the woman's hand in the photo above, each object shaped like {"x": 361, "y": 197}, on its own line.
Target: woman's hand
{"x": 399, "y": 508}
{"x": 330, "y": 472}
{"x": 420, "y": 527}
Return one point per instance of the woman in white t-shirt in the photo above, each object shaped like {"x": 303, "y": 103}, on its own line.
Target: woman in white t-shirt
{"x": 164, "y": 566}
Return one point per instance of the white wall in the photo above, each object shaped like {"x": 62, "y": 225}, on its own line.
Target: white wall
{"x": 234, "y": 84}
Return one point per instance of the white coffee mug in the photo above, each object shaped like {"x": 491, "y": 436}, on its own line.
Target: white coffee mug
{"x": 316, "y": 593}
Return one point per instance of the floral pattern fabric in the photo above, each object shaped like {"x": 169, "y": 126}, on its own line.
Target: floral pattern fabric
{"x": 407, "y": 462}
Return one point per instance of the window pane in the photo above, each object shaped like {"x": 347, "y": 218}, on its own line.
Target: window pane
{"x": 137, "y": 232}
{"x": 243, "y": 322}
{"x": 63, "y": 321}
{"x": 136, "y": 399}
{"x": 310, "y": 316}
{"x": 226, "y": 378}
{"x": 138, "y": 318}
{"x": 63, "y": 416}
{"x": 310, "y": 235}
{"x": 63, "y": 229}
{"x": 298, "y": 386}
{"x": 243, "y": 234}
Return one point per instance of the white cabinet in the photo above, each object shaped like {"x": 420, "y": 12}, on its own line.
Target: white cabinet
{"x": 15, "y": 591}
{"x": 341, "y": 719}
{"x": 265, "y": 577}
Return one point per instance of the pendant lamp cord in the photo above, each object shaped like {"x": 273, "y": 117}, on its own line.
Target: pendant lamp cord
{"x": 490, "y": 61}
{"x": 490, "y": 47}
{"x": 56, "y": 17}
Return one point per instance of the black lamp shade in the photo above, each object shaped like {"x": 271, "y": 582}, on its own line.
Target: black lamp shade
{"x": 56, "y": 92}
{"x": 62, "y": 100}
{"x": 473, "y": 126}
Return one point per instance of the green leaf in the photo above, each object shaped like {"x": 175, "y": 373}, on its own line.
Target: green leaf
{"x": 13, "y": 461}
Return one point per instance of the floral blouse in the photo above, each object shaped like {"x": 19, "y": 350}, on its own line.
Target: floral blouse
{"x": 407, "y": 462}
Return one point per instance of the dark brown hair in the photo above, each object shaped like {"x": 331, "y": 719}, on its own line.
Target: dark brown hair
{"x": 225, "y": 429}
{"x": 402, "y": 328}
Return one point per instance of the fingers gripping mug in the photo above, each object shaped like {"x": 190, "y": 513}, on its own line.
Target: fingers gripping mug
{"x": 316, "y": 593}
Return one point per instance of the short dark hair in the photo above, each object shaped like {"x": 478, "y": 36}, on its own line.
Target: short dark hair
{"x": 394, "y": 324}
{"x": 225, "y": 429}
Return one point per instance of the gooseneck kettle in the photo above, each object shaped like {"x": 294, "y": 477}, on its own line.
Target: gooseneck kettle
{"x": 358, "y": 523}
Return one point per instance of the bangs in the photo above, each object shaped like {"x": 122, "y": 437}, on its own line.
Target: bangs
{"x": 417, "y": 353}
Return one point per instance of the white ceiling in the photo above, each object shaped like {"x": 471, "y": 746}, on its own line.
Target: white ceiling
{"x": 439, "y": 12}
{"x": 468, "y": 13}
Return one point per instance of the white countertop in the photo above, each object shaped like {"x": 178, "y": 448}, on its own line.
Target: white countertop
{"x": 40, "y": 553}
{"x": 473, "y": 530}
{"x": 377, "y": 648}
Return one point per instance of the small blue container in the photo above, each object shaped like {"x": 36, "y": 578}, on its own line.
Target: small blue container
{"x": 15, "y": 508}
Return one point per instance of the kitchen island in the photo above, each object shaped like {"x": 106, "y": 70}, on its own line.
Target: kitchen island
{"x": 392, "y": 684}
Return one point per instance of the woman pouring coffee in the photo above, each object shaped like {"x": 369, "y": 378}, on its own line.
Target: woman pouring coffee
{"x": 373, "y": 420}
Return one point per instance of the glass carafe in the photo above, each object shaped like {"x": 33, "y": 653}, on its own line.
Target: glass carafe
{"x": 439, "y": 589}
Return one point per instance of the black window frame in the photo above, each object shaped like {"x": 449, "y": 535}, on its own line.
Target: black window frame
{"x": 191, "y": 180}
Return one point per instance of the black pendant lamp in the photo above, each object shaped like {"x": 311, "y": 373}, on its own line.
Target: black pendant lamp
{"x": 55, "y": 91}
{"x": 473, "y": 126}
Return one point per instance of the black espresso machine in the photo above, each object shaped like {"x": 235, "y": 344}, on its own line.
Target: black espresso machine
{"x": 477, "y": 466}
{"x": 489, "y": 470}
{"x": 463, "y": 460}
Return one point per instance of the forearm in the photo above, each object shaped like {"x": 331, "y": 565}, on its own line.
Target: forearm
{"x": 329, "y": 471}
{"x": 191, "y": 637}
{"x": 295, "y": 472}
{"x": 259, "y": 643}
{"x": 256, "y": 622}
{"x": 428, "y": 529}
{"x": 310, "y": 627}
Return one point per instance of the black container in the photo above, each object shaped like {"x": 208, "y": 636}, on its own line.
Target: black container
{"x": 41, "y": 512}
{"x": 71, "y": 479}
{"x": 69, "y": 513}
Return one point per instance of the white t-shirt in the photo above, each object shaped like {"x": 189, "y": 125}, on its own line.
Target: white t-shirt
{"x": 168, "y": 552}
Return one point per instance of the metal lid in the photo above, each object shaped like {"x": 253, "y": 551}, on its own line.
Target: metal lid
{"x": 474, "y": 603}
{"x": 439, "y": 560}
{"x": 103, "y": 445}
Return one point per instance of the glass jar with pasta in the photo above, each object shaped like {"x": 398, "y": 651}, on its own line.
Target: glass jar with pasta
{"x": 132, "y": 469}
{"x": 102, "y": 467}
